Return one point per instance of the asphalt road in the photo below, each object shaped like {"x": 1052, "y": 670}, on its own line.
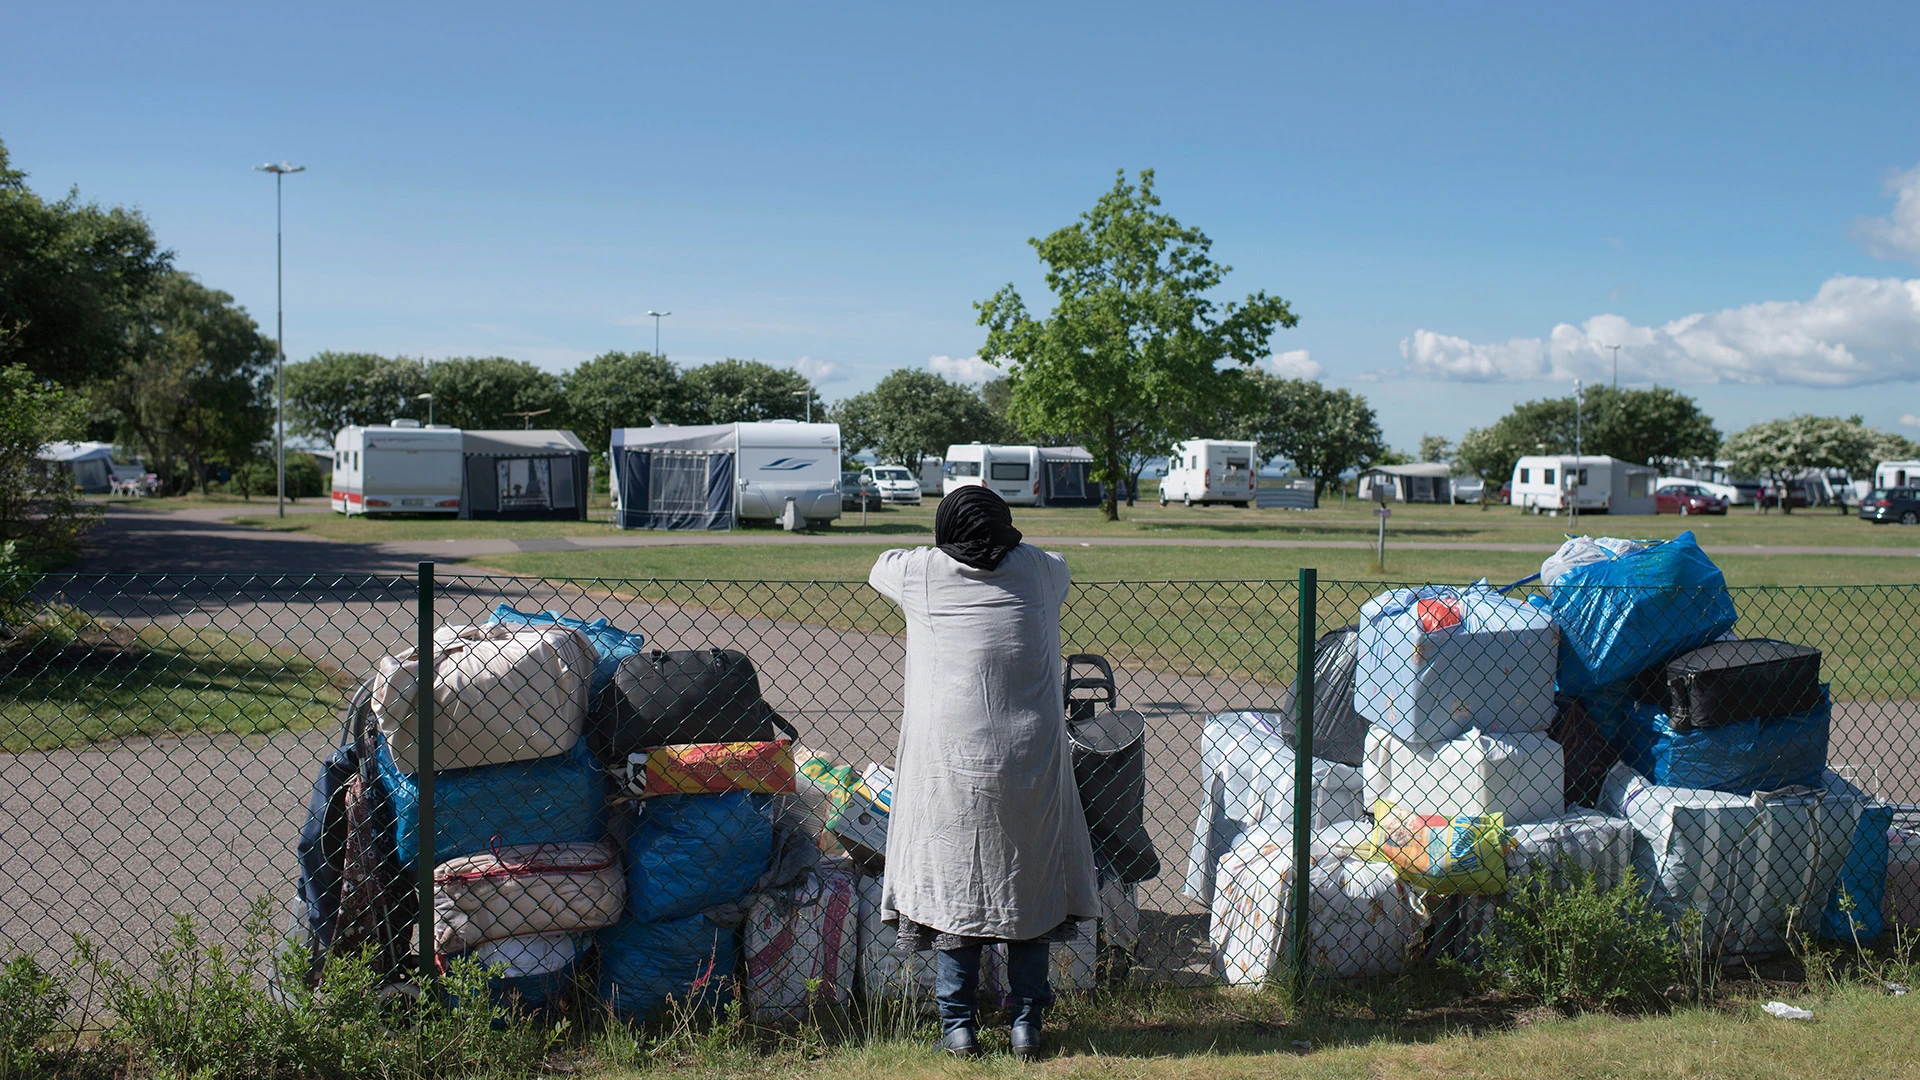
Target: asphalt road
{"x": 111, "y": 840}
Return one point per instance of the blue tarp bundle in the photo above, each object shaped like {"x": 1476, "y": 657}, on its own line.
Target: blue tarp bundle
{"x": 610, "y": 642}
{"x": 549, "y": 800}
{"x": 691, "y": 852}
{"x": 1620, "y": 616}
{"x": 642, "y": 964}
{"x": 1863, "y": 881}
{"x": 1742, "y": 758}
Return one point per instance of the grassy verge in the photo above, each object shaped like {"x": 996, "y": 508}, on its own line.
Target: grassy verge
{"x": 157, "y": 682}
{"x": 1856, "y": 1032}
{"x": 374, "y": 530}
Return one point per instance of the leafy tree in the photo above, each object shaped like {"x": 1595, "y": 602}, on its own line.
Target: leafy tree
{"x": 738, "y": 391}
{"x": 1782, "y": 450}
{"x": 72, "y": 277}
{"x": 619, "y": 389}
{"x": 195, "y": 390}
{"x": 1888, "y": 446}
{"x": 910, "y": 416}
{"x": 335, "y": 390}
{"x": 1649, "y": 427}
{"x": 1134, "y": 339}
{"x": 479, "y": 392}
{"x": 38, "y": 510}
{"x": 1322, "y": 432}
{"x": 997, "y": 394}
{"x": 1435, "y": 448}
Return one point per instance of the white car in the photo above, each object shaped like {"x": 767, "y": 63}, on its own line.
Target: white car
{"x": 895, "y": 483}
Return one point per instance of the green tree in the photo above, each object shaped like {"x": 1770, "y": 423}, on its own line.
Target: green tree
{"x": 619, "y": 389}
{"x": 342, "y": 389}
{"x": 1887, "y": 446}
{"x": 1783, "y": 450}
{"x": 195, "y": 391}
{"x": 1134, "y": 340}
{"x": 480, "y": 392}
{"x": 739, "y": 391}
{"x": 1322, "y": 432}
{"x": 38, "y": 510}
{"x": 910, "y": 416}
{"x": 1435, "y": 448}
{"x": 72, "y": 278}
{"x": 1655, "y": 426}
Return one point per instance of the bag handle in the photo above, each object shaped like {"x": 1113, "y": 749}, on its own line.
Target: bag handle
{"x": 1103, "y": 684}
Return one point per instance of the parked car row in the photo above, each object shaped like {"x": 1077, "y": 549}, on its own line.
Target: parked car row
{"x": 1883, "y": 505}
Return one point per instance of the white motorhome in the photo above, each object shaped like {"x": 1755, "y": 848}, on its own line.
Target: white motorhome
{"x": 1893, "y": 474}
{"x": 710, "y": 476}
{"x": 1209, "y": 471}
{"x": 1012, "y": 472}
{"x": 398, "y": 468}
{"x": 1597, "y": 484}
{"x": 932, "y": 471}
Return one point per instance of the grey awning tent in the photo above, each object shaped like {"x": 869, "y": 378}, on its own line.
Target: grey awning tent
{"x": 90, "y": 464}
{"x": 674, "y": 476}
{"x": 523, "y": 476}
{"x": 1066, "y": 477}
{"x": 1429, "y": 482}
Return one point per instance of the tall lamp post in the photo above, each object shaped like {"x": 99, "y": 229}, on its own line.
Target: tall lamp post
{"x": 808, "y": 394}
{"x": 428, "y": 398}
{"x": 1577, "y": 462}
{"x": 657, "y": 316}
{"x": 1616, "y": 364}
{"x": 280, "y": 333}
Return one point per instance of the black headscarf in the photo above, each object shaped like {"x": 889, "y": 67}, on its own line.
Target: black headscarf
{"x": 975, "y": 527}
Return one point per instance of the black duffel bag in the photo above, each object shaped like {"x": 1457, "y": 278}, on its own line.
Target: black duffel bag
{"x": 686, "y": 696}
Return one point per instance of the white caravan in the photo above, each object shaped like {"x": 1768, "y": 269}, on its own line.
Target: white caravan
{"x": 1893, "y": 474}
{"x": 1012, "y": 472}
{"x": 1594, "y": 482}
{"x": 787, "y": 459}
{"x": 932, "y": 471}
{"x": 398, "y": 468}
{"x": 1209, "y": 471}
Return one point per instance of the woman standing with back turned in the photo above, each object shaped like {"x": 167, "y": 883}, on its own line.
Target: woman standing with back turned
{"x": 986, "y": 842}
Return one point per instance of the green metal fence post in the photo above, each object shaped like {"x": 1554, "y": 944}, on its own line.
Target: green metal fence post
{"x": 423, "y": 825}
{"x": 1302, "y": 786}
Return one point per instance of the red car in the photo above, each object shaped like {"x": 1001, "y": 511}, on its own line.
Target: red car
{"x": 1684, "y": 499}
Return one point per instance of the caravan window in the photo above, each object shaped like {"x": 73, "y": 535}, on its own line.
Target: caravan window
{"x": 1583, "y": 476}
{"x": 963, "y": 468}
{"x": 1009, "y": 470}
{"x": 1523, "y": 475}
{"x": 1236, "y": 465}
{"x": 1546, "y": 476}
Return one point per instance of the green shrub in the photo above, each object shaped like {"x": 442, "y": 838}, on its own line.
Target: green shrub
{"x": 30, "y": 1005}
{"x": 1561, "y": 939}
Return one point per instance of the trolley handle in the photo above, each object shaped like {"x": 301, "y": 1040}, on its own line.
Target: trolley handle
{"x": 1102, "y": 685}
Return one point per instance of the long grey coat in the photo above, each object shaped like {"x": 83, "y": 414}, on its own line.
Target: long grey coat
{"x": 987, "y": 837}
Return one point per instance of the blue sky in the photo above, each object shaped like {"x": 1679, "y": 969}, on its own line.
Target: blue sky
{"x": 1464, "y": 203}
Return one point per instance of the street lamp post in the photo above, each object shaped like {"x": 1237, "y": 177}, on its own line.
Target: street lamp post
{"x": 280, "y": 333}
{"x": 657, "y": 316}
{"x": 1576, "y": 455}
{"x": 428, "y": 398}
{"x": 808, "y": 394}
{"x": 1616, "y": 364}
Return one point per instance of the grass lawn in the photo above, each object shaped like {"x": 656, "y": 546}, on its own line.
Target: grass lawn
{"x": 158, "y": 682}
{"x": 1854, "y": 1033}
{"x": 373, "y": 530}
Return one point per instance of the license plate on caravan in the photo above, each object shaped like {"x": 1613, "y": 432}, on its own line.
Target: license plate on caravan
{"x": 413, "y": 502}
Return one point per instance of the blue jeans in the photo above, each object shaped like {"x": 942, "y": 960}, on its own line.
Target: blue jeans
{"x": 956, "y": 984}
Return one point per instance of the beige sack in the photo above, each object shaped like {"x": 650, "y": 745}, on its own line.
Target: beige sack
{"x": 501, "y": 693}
{"x": 526, "y": 889}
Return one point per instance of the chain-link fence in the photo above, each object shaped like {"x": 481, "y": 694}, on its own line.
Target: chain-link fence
{"x": 167, "y": 740}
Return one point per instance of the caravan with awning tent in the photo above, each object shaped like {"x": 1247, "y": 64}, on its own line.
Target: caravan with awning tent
{"x": 712, "y": 476}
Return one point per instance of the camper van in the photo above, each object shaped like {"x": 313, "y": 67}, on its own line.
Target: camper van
{"x": 1209, "y": 471}
{"x": 1013, "y": 472}
{"x": 932, "y": 471}
{"x": 399, "y": 468}
{"x": 1597, "y": 484}
{"x": 1893, "y": 474}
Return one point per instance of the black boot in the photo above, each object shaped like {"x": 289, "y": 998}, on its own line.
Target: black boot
{"x": 1026, "y": 1041}
{"x": 959, "y": 1042}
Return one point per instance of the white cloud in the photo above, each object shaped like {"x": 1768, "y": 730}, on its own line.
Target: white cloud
{"x": 1896, "y": 236}
{"x": 1854, "y": 332}
{"x": 1910, "y": 420}
{"x": 1297, "y": 364}
{"x": 966, "y": 369}
{"x": 816, "y": 371}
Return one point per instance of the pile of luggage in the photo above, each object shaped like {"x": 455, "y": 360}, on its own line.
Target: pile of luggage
{"x": 1463, "y": 737}
{"x": 629, "y": 820}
